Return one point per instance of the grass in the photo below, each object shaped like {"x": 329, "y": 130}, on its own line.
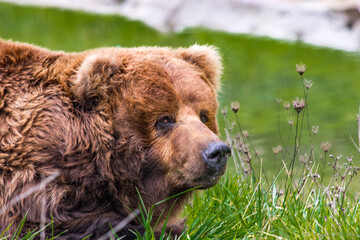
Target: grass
{"x": 34, "y": 234}
{"x": 257, "y": 72}
{"x": 237, "y": 209}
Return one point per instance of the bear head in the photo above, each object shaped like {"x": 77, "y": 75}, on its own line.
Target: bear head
{"x": 162, "y": 106}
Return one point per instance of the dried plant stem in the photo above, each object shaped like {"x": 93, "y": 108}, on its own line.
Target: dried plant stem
{"x": 287, "y": 144}
{"x": 279, "y": 131}
{"x": 359, "y": 128}
{"x": 296, "y": 145}
{"x": 110, "y": 234}
{"x": 312, "y": 153}
{"x": 292, "y": 163}
{"x": 357, "y": 146}
{"x": 30, "y": 191}
{"x": 239, "y": 171}
{"x": 353, "y": 141}
{"x": 299, "y": 139}
{"x": 242, "y": 164}
{"x": 343, "y": 193}
{"x": 43, "y": 213}
{"x": 302, "y": 183}
{"x": 241, "y": 132}
{"x": 323, "y": 168}
{"x": 306, "y": 93}
{"x": 252, "y": 146}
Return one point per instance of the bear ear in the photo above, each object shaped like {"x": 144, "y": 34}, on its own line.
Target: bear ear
{"x": 207, "y": 58}
{"x": 91, "y": 82}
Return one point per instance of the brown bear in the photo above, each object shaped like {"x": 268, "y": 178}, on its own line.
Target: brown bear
{"x": 115, "y": 123}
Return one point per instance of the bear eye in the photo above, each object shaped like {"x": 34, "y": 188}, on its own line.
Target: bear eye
{"x": 164, "y": 123}
{"x": 204, "y": 117}
{"x": 164, "y": 120}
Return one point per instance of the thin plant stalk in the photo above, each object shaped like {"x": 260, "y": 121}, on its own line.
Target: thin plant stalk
{"x": 237, "y": 167}
{"x": 43, "y": 213}
{"x": 323, "y": 168}
{"x": 296, "y": 145}
{"x": 359, "y": 128}
{"x": 287, "y": 143}
{"x": 279, "y": 131}
{"x": 290, "y": 174}
{"x": 252, "y": 146}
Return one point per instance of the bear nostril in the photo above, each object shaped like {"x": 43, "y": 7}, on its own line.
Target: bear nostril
{"x": 216, "y": 154}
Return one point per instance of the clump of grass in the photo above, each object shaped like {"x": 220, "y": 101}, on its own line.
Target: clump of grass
{"x": 237, "y": 209}
{"x": 150, "y": 225}
{"x": 146, "y": 219}
{"x": 34, "y": 234}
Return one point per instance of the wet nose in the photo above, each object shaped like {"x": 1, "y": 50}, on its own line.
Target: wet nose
{"x": 216, "y": 154}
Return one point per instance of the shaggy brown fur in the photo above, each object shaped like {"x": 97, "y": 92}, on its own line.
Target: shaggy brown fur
{"x": 101, "y": 118}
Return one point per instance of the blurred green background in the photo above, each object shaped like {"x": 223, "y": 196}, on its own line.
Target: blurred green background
{"x": 257, "y": 72}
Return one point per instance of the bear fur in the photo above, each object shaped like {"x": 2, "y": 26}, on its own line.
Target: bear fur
{"x": 112, "y": 122}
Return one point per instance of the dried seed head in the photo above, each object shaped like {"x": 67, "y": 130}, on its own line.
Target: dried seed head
{"x": 249, "y": 157}
{"x": 245, "y": 148}
{"x": 326, "y": 146}
{"x": 242, "y": 147}
{"x": 315, "y": 176}
{"x": 245, "y": 134}
{"x": 277, "y": 149}
{"x": 315, "y": 129}
{"x": 280, "y": 192}
{"x": 286, "y": 105}
{"x": 290, "y": 121}
{"x": 308, "y": 83}
{"x": 235, "y": 106}
{"x": 224, "y": 110}
{"x": 238, "y": 146}
{"x": 298, "y": 105}
{"x": 300, "y": 68}
{"x": 304, "y": 158}
{"x": 238, "y": 138}
{"x": 331, "y": 204}
{"x": 232, "y": 125}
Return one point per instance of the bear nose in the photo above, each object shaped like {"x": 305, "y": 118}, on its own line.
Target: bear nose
{"x": 216, "y": 154}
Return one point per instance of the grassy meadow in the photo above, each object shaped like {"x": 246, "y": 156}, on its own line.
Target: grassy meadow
{"x": 271, "y": 202}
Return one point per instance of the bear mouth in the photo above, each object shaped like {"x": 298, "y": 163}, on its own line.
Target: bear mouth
{"x": 205, "y": 182}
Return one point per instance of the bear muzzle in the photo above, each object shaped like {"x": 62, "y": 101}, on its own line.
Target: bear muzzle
{"x": 215, "y": 158}
{"x": 216, "y": 155}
